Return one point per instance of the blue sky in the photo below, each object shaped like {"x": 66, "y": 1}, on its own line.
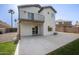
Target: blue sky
{"x": 5, "y": 16}
{"x": 67, "y": 12}
{"x": 64, "y": 11}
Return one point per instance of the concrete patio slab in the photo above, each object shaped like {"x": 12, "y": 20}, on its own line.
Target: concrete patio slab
{"x": 41, "y": 45}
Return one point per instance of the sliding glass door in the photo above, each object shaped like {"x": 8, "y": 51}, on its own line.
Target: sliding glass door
{"x": 30, "y": 16}
{"x": 35, "y": 30}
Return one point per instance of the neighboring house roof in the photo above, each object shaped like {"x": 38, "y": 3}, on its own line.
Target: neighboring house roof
{"x": 77, "y": 23}
{"x": 34, "y": 5}
{"x": 60, "y": 20}
{"x": 4, "y": 25}
{"x": 37, "y": 5}
{"x": 46, "y": 8}
{"x": 63, "y": 22}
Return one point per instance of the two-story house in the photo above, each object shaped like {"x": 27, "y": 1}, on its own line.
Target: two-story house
{"x": 36, "y": 20}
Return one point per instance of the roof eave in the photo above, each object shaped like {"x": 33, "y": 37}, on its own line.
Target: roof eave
{"x": 47, "y": 7}
{"x": 35, "y": 5}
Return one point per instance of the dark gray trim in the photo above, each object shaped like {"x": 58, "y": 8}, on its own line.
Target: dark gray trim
{"x": 27, "y": 20}
{"x": 46, "y": 8}
{"x": 34, "y": 5}
{"x": 37, "y": 5}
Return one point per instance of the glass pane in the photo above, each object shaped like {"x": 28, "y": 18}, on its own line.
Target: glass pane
{"x": 30, "y": 16}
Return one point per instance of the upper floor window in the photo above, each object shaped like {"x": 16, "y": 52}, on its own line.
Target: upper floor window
{"x": 24, "y": 11}
{"x": 48, "y": 12}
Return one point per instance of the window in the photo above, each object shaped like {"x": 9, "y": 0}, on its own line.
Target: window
{"x": 49, "y": 28}
{"x": 48, "y": 12}
{"x": 30, "y": 16}
{"x": 24, "y": 11}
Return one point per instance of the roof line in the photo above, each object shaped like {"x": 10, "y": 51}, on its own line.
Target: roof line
{"x": 39, "y": 6}
{"x": 45, "y": 7}
{"x": 31, "y": 5}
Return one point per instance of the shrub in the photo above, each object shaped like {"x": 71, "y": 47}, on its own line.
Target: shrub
{"x": 11, "y": 30}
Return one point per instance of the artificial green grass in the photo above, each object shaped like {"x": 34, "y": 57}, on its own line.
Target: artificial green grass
{"x": 69, "y": 49}
{"x": 7, "y": 48}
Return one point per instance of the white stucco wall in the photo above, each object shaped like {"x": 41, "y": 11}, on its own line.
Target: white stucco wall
{"x": 40, "y": 27}
{"x": 29, "y": 9}
{"x": 49, "y": 21}
{"x": 26, "y": 28}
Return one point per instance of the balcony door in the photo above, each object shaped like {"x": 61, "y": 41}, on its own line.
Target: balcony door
{"x": 31, "y": 16}
{"x": 35, "y": 30}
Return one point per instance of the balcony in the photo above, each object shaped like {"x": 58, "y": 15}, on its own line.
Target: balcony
{"x": 32, "y": 16}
